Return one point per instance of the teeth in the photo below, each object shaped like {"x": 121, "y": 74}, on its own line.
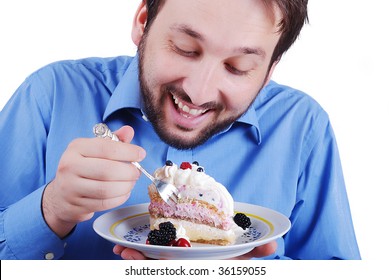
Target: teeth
{"x": 186, "y": 109}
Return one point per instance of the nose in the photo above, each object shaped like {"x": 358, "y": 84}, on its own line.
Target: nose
{"x": 202, "y": 82}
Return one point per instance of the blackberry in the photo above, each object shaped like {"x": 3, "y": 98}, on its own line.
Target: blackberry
{"x": 167, "y": 226}
{"x": 242, "y": 220}
{"x": 163, "y": 236}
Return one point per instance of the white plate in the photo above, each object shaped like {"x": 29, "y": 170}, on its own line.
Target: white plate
{"x": 130, "y": 226}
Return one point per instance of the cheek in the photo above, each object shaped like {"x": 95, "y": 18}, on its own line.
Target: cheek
{"x": 161, "y": 71}
{"x": 239, "y": 95}
{"x": 162, "y": 68}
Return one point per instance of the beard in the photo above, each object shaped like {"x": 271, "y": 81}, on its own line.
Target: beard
{"x": 153, "y": 101}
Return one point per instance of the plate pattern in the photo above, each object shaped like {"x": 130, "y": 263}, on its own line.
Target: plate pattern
{"x": 137, "y": 234}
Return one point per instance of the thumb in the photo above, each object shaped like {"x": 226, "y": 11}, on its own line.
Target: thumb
{"x": 125, "y": 134}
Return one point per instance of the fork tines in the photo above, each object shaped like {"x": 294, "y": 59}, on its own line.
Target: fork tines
{"x": 172, "y": 198}
{"x": 169, "y": 195}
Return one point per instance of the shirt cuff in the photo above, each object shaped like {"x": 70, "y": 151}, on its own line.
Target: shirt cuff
{"x": 26, "y": 232}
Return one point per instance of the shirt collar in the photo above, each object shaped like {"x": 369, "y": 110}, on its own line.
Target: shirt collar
{"x": 127, "y": 95}
{"x": 251, "y": 118}
{"x": 127, "y": 92}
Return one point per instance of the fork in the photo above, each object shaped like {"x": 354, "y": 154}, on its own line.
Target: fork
{"x": 168, "y": 192}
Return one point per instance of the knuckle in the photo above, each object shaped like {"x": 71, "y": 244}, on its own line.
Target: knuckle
{"x": 74, "y": 144}
{"x": 65, "y": 165}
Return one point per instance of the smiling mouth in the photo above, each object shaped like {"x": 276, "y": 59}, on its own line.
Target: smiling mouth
{"x": 188, "y": 110}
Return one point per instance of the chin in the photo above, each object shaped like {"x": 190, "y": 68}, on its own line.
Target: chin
{"x": 182, "y": 138}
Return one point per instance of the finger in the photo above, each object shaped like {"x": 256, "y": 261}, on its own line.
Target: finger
{"x": 125, "y": 134}
{"x": 87, "y": 204}
{"x": 260, "y": 251}
{"x": 131, "y": 254}
{"x": 107, "y": 149}
{"x": 118, "y": 249}
{"x": 127, "y": 253}
{"x": 105, "y": 190}
{"x": 106, "y": 170}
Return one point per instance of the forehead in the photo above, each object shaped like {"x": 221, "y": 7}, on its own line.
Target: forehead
{"x": 245, "y": 20}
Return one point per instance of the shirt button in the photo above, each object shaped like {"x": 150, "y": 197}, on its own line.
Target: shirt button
{"x": 49, "y": 256}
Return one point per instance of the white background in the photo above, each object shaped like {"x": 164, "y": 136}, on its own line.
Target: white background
{"x": 340, "y": 59}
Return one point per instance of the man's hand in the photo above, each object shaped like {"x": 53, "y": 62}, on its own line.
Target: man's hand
{"x": 128, "y": 253}
{"x": 257, "y": 252}
{"x": 93, "y": 175}
{"x": 260, "y": 251}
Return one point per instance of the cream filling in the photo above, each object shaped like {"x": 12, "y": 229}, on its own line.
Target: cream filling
{"x": 195, "y": 231}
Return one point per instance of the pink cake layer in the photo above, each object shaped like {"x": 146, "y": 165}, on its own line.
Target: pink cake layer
{"x": 193, "y": 211}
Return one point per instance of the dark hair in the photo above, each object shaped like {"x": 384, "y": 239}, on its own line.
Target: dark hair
{"x": 294, "y": 13}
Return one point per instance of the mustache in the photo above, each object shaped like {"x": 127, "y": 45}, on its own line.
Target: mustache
{"x": 181, "y": 94}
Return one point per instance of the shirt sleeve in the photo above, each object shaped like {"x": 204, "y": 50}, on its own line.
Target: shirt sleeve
{"x": 321, "y": 220}
{"x": 23, "y": 132}
{"x": 24, "y": 233}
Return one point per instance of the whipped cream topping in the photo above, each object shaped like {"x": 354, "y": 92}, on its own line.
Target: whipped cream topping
{"x": 181, "y": 232}
{"x": 197, "y": 185}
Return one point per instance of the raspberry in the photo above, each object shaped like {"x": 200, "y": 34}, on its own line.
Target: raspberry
{"x": 242, "y": 220}
{"x": 186, "y": 165}
{"x": 163, "y": 236}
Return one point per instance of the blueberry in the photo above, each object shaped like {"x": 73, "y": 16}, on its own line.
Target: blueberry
{"x": 169, "y": 163}
{"x": 200, "y": 169}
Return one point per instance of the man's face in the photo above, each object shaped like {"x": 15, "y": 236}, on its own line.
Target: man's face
{"x": 202, "y": 64}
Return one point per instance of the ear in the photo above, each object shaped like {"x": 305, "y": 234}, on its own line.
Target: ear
{"x": 139, "y": 23}
{"x": 270, "y": 72}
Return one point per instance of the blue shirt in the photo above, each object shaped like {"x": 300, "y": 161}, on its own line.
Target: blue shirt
{"x": 281, "y": 154}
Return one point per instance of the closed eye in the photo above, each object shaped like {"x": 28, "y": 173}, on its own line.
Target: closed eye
{"x": 183, "y": 52}
{"x": 234, "y": 70}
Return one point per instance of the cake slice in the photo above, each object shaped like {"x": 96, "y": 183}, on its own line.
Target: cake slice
{"x": 205, "y": 208}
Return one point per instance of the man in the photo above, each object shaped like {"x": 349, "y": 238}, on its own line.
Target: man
{"x": 199, "y": 89}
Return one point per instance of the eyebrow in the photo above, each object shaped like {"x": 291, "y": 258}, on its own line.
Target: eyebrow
{"x": 188, "y": 30}
{"x": 246, "y": 50}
